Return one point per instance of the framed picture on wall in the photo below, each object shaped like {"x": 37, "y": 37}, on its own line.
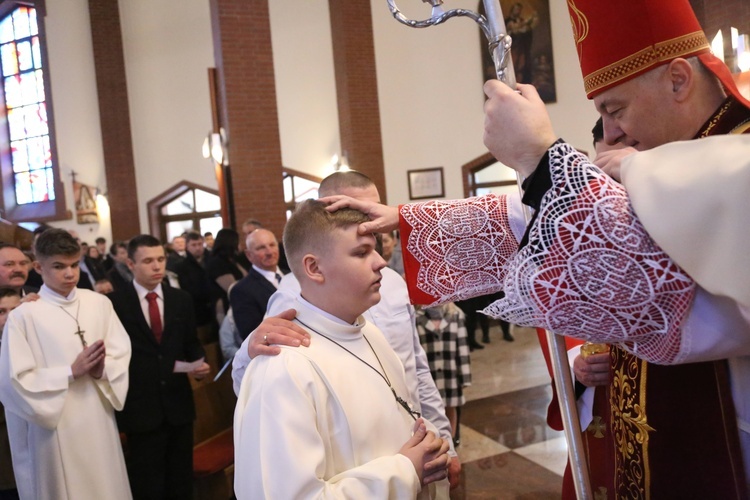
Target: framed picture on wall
{"x": 529, "y": 25}
{"x": 425, "y": 183}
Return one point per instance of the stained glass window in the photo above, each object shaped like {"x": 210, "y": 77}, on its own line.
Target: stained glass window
{"x": 26, "y": 110}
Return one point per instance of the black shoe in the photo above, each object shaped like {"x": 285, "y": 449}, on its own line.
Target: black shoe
{"x": 508, "y": 337}
{"x": 486, "y": 339}
{"x": 475, "y": 345}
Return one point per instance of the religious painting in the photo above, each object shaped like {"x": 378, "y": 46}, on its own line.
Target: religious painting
{"x": 426, "y": 183}
{"x": 528, "y": 24}
{"x": 85, "y": 199}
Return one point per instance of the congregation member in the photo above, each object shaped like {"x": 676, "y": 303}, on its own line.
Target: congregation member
{"x": 393, "y": 315}
{"x": 9, "y": 300}
{"x": 673, "y": 96}
{"x": 223, "y": 269}
{"x": 63, "y": 373}
{"x": 14, "y": 270}
{"x": 192, "y": 276}
{"x": 105, "y": 258}
{"x": 333, "y": 419}
{"x": 177, "y": 252}
{"x": 249, "y": 296}
{"x": 119, "y": 275}
{"x": 208, "y": 237}
{"x": 157, "y": 418}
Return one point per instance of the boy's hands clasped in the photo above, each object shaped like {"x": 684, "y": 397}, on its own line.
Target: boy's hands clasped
{"x": 428, "y": 453}
{"x": 90, "y": 360}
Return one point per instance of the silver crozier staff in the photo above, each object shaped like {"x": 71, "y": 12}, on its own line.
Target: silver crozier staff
{"x": 493, "y": 27}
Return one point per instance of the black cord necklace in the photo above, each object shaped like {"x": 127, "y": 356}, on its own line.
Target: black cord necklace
{"x": 413, "y": 413}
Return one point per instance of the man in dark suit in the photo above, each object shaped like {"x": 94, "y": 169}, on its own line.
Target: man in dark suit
{"x": 159, "y": 411}
{"x": 194, "y": 280}
{"x": 249, "y": 297}
{"x": 120, "y": 274}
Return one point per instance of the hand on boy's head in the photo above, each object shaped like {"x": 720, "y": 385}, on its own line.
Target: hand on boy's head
{"x": 277, "y": 330}
{"x": 384, "y": 218}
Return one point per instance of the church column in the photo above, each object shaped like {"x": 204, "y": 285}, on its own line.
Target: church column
{"x": 114, "y": 116}
{"x": 356, "y": 88}
{"x": 247, "y": 102}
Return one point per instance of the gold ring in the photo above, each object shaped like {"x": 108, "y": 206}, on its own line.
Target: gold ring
{"x": 589, "y": 349}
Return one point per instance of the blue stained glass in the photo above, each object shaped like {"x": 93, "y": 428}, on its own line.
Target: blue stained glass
{"x": 32, "y": 21}
{"x": 25, "y": 61}
{"x": 23, "y": 188}
{"x": 20, "y": 156}
{"x": 10, "y": 63}
{"x": 16, "y": 124}
{"x": 29, "y": 88}
{"x": 36, "y": 52}
{"x": 21, "y": 22}
{"x": 37, "y": 159}
{"x": 40, "y": 85}
{"x": 13, "y": 91}
{"x": 6, "y": 30}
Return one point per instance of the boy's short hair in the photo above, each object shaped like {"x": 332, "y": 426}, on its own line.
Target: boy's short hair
{"x": 142, "y": 240}
{"x": 338, "y": 181}
{"x": 55, "y": 241}
{"x": 8, "y": 292}
{"x": 100, "y": 240}
{"x": 117, "y": 244}
{"x": 309, "y": 229}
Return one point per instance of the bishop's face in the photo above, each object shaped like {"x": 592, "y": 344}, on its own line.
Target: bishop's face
{"x": 59, "y": 272}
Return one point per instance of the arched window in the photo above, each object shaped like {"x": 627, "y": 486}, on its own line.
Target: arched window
{"x": 298, "y": 186}
{"x": 484, "y": 175}
{"x": 31, "y": 187}
{"x": 184, "y": 207}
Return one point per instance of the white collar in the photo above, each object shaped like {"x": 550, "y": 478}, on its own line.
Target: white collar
{"x": 142, "y": 291}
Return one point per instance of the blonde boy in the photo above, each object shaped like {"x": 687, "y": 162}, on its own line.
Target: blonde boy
{"x": 331, "y": 420}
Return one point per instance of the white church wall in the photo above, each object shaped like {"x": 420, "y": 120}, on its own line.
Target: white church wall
{"x": 76, "y": 108}
{"x": 430, "y": 88}
{"x": 305, "y": 85}
{"x": 168, "y": 50}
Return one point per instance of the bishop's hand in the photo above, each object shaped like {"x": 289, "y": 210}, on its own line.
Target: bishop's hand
{"x": 384, "y": 218}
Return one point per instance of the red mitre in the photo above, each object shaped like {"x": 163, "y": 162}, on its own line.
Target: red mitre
{"x": 620, "y": 39}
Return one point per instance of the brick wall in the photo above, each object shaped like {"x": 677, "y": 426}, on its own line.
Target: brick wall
{"x": 112, "y": 90}
{"x": 356, "y": 88}
{"x": 247, "y": 96}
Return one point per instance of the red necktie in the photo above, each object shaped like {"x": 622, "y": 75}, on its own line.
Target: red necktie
{"x": 154, "y": 316}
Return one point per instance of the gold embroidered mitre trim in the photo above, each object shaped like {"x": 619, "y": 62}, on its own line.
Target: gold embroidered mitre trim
{"x": 651, "y": 56}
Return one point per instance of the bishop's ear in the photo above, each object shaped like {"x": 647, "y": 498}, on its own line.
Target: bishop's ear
{"x": 682, "y": 75}
{"x": 311, "y": 268}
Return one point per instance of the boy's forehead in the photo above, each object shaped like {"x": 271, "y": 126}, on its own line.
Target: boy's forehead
{"x": 63, "y": 259}
{"x": 9, "y": 302}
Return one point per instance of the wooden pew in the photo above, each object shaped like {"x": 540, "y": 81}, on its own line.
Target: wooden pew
{"x": 213, "y": 453}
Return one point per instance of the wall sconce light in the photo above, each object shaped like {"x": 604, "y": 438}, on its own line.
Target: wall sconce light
{"x": 215, "y": 146}
{"x": 340, "y": 163}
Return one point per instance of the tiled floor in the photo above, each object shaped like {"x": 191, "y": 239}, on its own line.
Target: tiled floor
{"x": 507, "y": 450}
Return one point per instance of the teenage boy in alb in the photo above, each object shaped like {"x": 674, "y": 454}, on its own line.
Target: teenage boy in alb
{"x": 333, "y": 419}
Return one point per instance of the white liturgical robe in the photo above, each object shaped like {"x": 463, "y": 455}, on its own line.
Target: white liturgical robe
{"x": 62, "y": 431}
{"x": 319, "y": 423}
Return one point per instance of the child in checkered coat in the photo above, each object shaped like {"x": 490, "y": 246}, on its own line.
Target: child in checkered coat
{"x": 443, "y": 335}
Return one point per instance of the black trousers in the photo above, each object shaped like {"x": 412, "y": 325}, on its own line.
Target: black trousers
{"x": 160, "y": 462}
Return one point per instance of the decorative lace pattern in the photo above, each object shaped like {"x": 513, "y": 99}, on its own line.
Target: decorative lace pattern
{"x": 462, "y": 246}
{"x": 590, "y": 270}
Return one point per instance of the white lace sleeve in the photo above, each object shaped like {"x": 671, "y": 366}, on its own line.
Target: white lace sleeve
{"x": 457, "y": 249}
{"x": 591, "y": 271}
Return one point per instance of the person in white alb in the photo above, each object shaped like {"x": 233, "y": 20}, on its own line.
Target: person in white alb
{"x": 63, "y": 373}
{"x": 333, "y": 420}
